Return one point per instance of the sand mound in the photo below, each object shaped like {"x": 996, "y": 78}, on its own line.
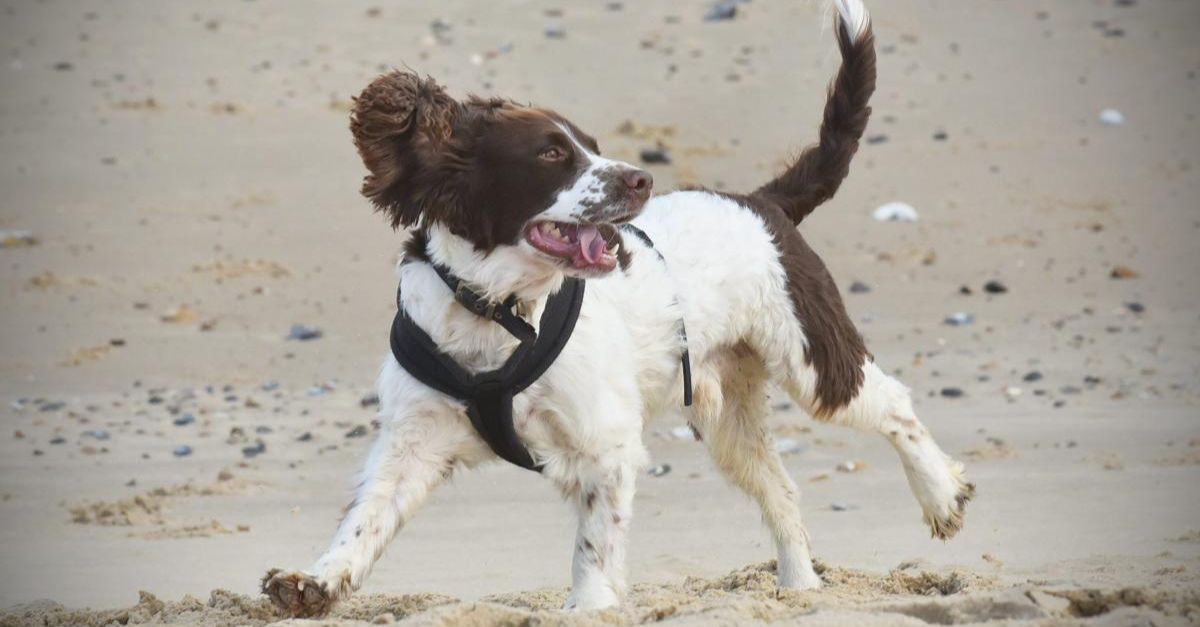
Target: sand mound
{"x": 749, "y": 596}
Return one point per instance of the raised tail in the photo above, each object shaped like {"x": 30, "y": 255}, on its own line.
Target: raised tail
{"x": 818, "y": 171}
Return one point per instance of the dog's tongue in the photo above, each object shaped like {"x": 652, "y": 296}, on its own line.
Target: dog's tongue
{"x": 591, "y": 245}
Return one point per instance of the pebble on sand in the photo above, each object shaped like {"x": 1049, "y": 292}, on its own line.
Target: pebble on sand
{"x": 1112, "y": 117}
{"x": 659, "y": 470}
{"x": 995, "y": 287}
{"x": 858, "y": 287}
{"x": 953, "y": 392}
{"x": 1124, "y": 272}
{"x": 182, "y": 450}
{"x": 960, "y": 319}
{"x": 722, "y": 10}
{"x": 655, "y": 155}
{"x": 304, "y": 333}
{"x": 895, "y": 212}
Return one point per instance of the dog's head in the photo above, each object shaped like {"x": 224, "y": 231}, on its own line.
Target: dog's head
{"x": 494, "y": 173}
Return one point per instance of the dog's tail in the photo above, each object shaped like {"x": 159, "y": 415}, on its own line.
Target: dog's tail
{"x": 818, "y": 171}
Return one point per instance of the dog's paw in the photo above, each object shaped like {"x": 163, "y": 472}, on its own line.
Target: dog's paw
{"x": 296, "y": 594}
{"x": 948, "y": 519}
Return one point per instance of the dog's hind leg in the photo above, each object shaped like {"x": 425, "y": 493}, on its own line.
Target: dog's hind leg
{"x": 414, "y": 453}
{"x": 730, "y": 416}
{"x": 883, "y": 405}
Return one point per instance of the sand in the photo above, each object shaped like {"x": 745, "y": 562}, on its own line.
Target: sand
{"x": 180, "y": 189}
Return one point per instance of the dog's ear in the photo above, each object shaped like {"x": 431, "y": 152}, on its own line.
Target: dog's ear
{"x": 400, "y": 124}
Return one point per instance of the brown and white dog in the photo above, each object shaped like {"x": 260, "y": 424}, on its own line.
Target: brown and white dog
{"x": 512, "y": 199}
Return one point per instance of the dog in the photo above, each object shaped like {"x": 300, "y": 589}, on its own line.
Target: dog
{"x": 514, "y": 200}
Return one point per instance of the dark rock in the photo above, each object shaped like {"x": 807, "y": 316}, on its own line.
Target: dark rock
{"x": 555, "y": 32}
{"x": 357, "y": 432}
{"x": 877, "y": 139}
{"x": 304, "y": 333}
{"x": 369, "y": 400}
{"x": 305, "y": 437}
{"x": 659, "y": 470}
{"x": 259, "y": 448}
{"x": 1135, "y": 307}
{"x": 722, "y": 10}
{"x": 58, "y": 440}
{"x": 966, "y": 290}
{"x": 995, "y": 287}
{"x": 184, "y": 420}
{"x": 953, "y": 393}
{"x": 655, "y": 155}
{"x": 940, "y": 136}
{"x": 1031, "y": 376}
{"x": 858, "y": 287}
{"x": 182, "y": 450}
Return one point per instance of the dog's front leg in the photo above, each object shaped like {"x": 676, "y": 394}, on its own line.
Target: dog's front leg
{"x": 414, "y": 453}
{"x": 602, "y": 493}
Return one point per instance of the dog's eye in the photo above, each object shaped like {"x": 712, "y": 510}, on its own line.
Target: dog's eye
{"x": 552, "y": 153}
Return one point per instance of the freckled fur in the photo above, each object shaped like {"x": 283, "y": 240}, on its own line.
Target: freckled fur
{"x": 759, "y": 306}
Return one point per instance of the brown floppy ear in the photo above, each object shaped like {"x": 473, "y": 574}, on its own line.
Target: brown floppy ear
{"x": 400, "y": 122}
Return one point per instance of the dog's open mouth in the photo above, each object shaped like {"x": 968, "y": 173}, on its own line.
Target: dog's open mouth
{"x": 584, "y": 246}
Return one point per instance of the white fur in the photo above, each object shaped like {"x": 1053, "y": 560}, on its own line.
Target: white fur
{"x": 854, "y": 17}
{"x": 583, "y": 419}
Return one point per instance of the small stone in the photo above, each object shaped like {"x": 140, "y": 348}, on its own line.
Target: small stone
{"x": 995, "y": 287}
{"x": 304, "y": 333}
{"x": 940, "y": 136}
{"x": 877, "y": 139}
{"x": 58, "y": 440}
{"x": 259, "y": 448}
{"x": 184, "y": 420}
{"x": 1031, "y": 376}
{"x": 357, "y": 432}
{"x": 1012, "y": 392}
{"x": 788, "y": 446}
{"x": 683, "y": 432}
{"x": 659, "y": 470}
{"x": 851, "y": 466}
{"x": 953, "y": 392}
{"x": 839, "y": 507}
{"x": 1070, "y": 389}
{"x": 555, "y": 32}
{"x": 224, "y": 475}
{"x": 655, "y": 155}
{"x": 1135, "y": 307}
{"x": 966, "y": 290}
{"x": 63, "y": 66}
{"x": 1112, "y": 117}
{"x": 97, "y": 434}
{"x": 1124, "y": 272}
{"x": 370, "y": 399}
{"x": 858, "y": 287}
{"x": 182, "y": 450}
{"x": 895, "y": 212}
{"x": 722, "y": 10}
{"x": 305, "y": 437}
{"x": 960, "y": 319}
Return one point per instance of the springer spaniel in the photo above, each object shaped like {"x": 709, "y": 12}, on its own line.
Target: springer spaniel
{"x": 513, "y": 199}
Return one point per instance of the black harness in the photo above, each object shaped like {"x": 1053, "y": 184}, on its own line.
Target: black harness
{"x": 488, "y": 396}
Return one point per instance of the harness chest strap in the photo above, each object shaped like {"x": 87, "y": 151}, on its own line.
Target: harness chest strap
{"x": 488, "y": 396}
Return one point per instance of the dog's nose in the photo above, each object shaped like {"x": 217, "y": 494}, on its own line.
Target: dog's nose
{"x": 639, "y": 182}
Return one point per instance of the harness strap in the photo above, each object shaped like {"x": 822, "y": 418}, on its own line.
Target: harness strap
{"x": 501, "y": 313}
{"x": 685, "y": 359}
{"x": 488, "y": 396}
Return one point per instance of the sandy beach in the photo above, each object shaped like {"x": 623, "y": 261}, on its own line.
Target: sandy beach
{"x": 180, "y": 190}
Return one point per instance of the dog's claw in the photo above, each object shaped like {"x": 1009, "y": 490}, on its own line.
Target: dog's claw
{"x": 297, "y": 595}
